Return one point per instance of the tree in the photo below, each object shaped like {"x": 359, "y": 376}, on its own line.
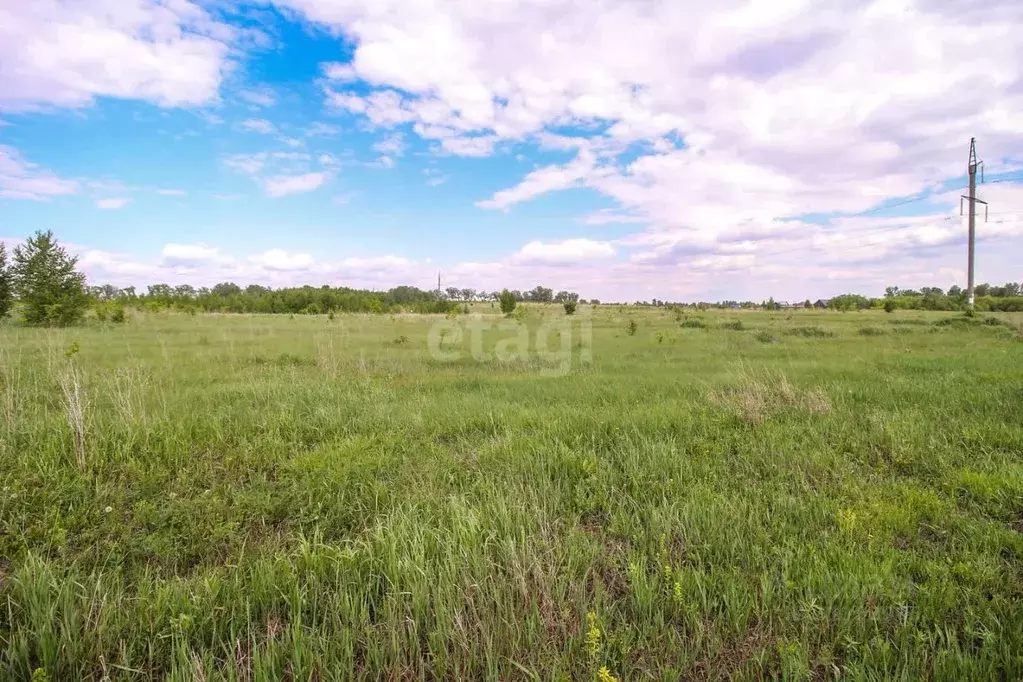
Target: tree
{"x": 569, "y": 307}
{"x": 45, "y": 280}
{"x": 889, "y": 305}
{"x": 508, "y": 302}
{"x": 5, "y": 283}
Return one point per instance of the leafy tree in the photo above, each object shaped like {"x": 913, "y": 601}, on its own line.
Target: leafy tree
{"x": 889, "y": 305}
{"x": 508, "y": 302}
{"x": 453, "y": 293}
{"x": 569, "y": 307}
{"x": 45, "y": 280}
{"x": 5, "y": 283}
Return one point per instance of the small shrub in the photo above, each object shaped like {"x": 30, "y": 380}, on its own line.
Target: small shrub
{"x": 765, "y": 337}
{"x": 889, "y": 306}
{"x": 569, "y": 307}
{"x": 520, "y": 313}
{"x": 402, "y": 340}
{"x": 733, "y": 325}
{"x": 631, "y": 328}
{"x": 870, "y": 331}
{"x": 811, "y": 332}
{"x": 507, "y": 301}
{"x": 693, "y": 323}
{"x": 102, "y": 313}
{"x": 331, "y": 316}
{"x": 118, "y": 316}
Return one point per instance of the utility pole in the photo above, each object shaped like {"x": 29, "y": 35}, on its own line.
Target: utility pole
{"x": 973, "y": 200}
{"x": 438, "y": 283}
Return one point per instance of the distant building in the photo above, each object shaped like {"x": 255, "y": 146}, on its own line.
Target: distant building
{"x": 821, "y": 303}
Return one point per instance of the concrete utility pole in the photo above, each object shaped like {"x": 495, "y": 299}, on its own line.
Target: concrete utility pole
{"x": 973, "y": 200}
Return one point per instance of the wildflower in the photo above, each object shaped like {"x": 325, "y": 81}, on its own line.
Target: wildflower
{"x": 604, "y": 675}
{"x": 108, "y": 510}
{"x": 592, "y": 635}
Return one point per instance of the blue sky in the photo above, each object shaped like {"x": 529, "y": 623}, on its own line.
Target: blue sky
{"x": 622, "y": 150}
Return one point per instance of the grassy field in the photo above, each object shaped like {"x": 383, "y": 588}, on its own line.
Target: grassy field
{"x": 806, "y": 495}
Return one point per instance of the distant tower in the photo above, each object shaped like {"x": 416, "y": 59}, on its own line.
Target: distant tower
{"x": 438, "y": 283}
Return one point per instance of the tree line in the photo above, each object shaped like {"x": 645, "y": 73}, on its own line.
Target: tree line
{"x": 41, "y": 277}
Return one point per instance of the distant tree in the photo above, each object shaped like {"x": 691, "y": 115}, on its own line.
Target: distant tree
{"x": 889, "y": 305}
{"x": 891, "y": 292}
{"x": 227, "y": 289}
{"x": 981, "y": 289}
{"x": 46, "y": 282}
{"x": 569, "y": 307}
{"x": 807, "y": 304}
{"x": 5, "y": 283}
{"x": 955, "y": 291}
{"x": 452, "y": 293}
{"x": 468, "y": 295}
{"x": 508, "y": 302}
{"x": 541, "y": 294}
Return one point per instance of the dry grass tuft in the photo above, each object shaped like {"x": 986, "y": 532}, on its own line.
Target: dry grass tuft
{"x": 754, "y": 399}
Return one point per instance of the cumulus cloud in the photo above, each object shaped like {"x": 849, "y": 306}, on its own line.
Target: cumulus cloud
{"x": 718, "y": 120}
{"x": 564, "y": 252}
{"x": 278, "y": 259}
{"x": 192, "y": 255}
{"x": 20, "y": 179}
{"x": 113, "y": 203}
{"x": 283, "y": 185}
{"x": 67, "y": 52}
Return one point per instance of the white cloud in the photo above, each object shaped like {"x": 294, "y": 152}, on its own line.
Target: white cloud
{"x": 283, "y": 185}
{"x": 193, "y": 255}
{"x": 278, "y": 259}
{"x": 382, "y": 162}
{"x": 469, "y": 146}
{"x": 66, "y": 52}
{"x": 172, "y": 192}
{"x": 544, "y": 180}
{"x": 291, "y": 141}
{"x": 708, "y": 121}
{"x": 259, "y": 125}
{"x": 262, "y": 96}
{"x": 393, "y": 145}
{"x": 564, "y": 252}
{"x": 20, "y": 179}
{"x": 112, "y": 203}
{"x": 322, "y": 129}
{"x": 249, "y": 164}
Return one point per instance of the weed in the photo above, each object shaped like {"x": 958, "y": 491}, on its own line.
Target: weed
{"x": 403, "y": 340}
{"x": 870, "y": 331}
{"x": 693, "y": 323}
{"x": 764, "y": 336}
{"x": 733, "y": 325}
{"x": 631, "y": 328}
{"x": 810, "y": 332}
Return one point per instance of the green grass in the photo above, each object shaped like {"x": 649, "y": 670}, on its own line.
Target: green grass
{"x": 267, "y": 498}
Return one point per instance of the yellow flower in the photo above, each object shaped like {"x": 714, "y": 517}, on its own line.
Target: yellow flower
{"x": 604, "y": 675}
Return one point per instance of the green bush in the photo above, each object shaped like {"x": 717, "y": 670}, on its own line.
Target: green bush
{"x": 631, "y": 328}
{"x": 693, "y": 323}
{"x": 118, "y": 315}
{"x": 733, "y": 325}
{"x": 765, "y": 337}
{"x": 507, "y": 301}
{"x": 870, "y": 331}
{"x": 569, "y": 307}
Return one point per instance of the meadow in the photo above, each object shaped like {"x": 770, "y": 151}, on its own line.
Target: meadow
{"x": 698, "y": 495}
